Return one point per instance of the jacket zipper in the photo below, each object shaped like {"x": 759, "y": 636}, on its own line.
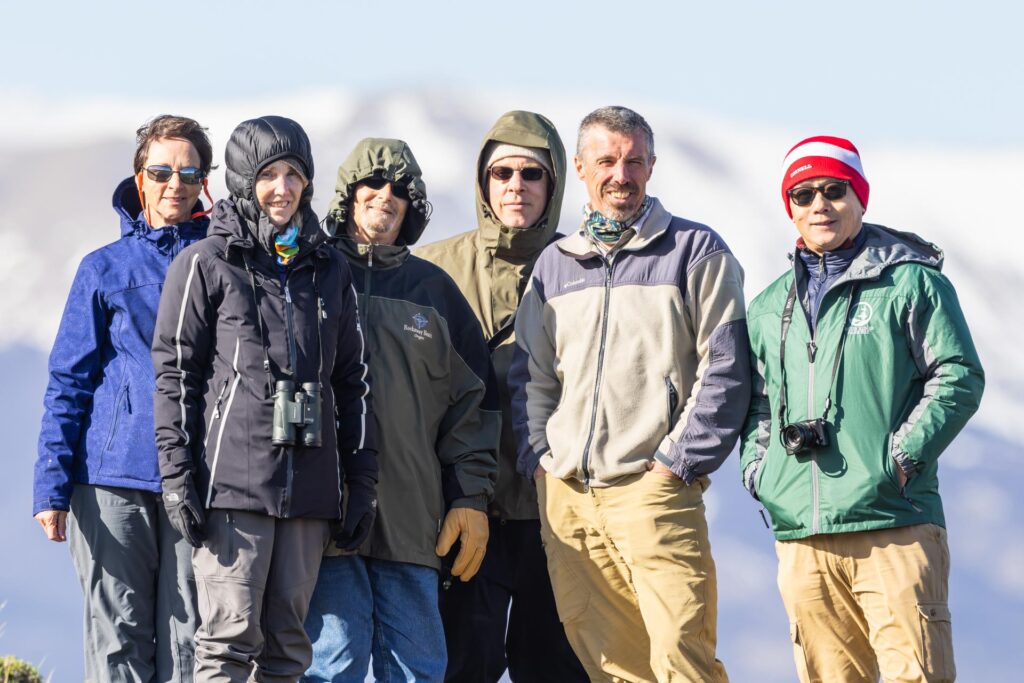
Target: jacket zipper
{"x": 609, "y": 264}
{"x": 293, "y": 361}
{"x": 123, "y": 405}
{"x": 673, "y": 401}
{"x": 216, "y": 411}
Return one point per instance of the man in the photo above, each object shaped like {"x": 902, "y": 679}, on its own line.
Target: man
{"x": 435, "y": 397}
{"x": 520, "y": 181}
{"x": 630, "y": 383}
{"x": 865, "y": 373}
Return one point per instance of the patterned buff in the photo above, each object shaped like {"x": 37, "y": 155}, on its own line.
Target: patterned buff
{"x": 287, "y": 245}
{"x": 609, "y": 230}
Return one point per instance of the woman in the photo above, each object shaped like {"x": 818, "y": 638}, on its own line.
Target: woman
{"x": 261, "y": 383}
{"x": 97, "y": 483}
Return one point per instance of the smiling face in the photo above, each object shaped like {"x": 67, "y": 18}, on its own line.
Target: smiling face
{"x": 377, "y": 214}
{"x": 170, "y": 202}
{"x": 517, "y": 202}
{"x": 279, "y": 187}
{"x": 826, "y": 224}
{"x": 616, "y": 168}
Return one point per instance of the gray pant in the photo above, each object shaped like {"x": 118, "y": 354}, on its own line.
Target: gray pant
{"x": 255, "y": 575}
{"x": 136, "y": 576}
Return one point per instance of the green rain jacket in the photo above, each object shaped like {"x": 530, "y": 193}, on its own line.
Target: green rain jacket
{"x": 908, "y": 380}
{"x": 433, "y": 385}
{"x": 492, "y": 265}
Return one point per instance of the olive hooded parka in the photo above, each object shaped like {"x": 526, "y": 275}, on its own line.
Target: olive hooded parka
{"x": 492, "y": 265}
{"x": 434, "y": 390}
{"x": 232, "y": 323}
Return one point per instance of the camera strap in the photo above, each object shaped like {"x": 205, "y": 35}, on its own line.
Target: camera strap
{"x": 787, "y": 319}
{"x": 259, "y": 322}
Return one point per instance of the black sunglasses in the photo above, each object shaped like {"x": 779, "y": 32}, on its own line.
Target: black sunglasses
{"x": 378, "y": 183}
{"x": 531, "y": 174}
{"x": 832, "y": 190}
{"x": 190, "y": 175}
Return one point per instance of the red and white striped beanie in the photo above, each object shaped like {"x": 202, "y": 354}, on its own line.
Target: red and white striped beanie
{"x": 824, "y": 156}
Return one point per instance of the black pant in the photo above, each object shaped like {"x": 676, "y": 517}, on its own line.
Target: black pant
{"x": 475, "y": 615}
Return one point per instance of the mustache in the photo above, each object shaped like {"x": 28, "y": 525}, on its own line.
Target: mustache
{"x": 614, "y": 186}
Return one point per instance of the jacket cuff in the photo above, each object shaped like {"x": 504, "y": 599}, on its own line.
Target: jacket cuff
{"x": 905, "y": 462}
{"x": 750, "y": 476}
{"x": 51, "y": 503}
{"x": 477, "y": 502}
{"x": 669, "y": 456}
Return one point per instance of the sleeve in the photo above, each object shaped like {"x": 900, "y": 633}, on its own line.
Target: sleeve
{"x": 757, "y": 428}
{"x": 181, "y": 352}
{"x": 469, "y": 434}
{"x": 709, "y": 425}
{"x": 356, "y": 424}
{"x": 534, "y": 385}
{"x": 941, "y": 346}
{"x": 75, "y": 369}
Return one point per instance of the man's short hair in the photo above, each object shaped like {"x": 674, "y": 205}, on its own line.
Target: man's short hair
{"x": 617, "y": 119}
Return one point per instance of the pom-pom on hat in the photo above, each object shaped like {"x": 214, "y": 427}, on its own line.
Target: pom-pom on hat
{"x": 824, "y": 156}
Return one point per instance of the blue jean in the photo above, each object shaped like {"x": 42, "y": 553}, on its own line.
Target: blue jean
{"x": 363, "y": 607}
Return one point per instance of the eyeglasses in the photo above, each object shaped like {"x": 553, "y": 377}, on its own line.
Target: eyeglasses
{"x": 378, "y": 183}
{"x": 832, "y": 190}
{"x": 161, "y": 173}
{"x": 530, "y": 174}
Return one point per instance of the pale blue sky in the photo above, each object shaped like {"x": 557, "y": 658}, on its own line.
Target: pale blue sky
{"x": 922, "y": 72}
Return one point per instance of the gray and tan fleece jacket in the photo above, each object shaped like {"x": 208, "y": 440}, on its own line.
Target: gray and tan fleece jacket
{"x": 633, "y": 354}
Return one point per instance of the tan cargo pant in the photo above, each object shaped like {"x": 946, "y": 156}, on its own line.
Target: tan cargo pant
{"x": 633, "y": 577}
{"x": 255, "y": 576}
{"x": 869, "y": 603}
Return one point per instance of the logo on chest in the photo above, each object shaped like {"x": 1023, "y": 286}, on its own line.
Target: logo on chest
{"x": 418, "y": 329}
{"x": 860, "y": 319}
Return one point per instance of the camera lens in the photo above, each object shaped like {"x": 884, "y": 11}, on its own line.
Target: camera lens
{"x": 793, "y": 438}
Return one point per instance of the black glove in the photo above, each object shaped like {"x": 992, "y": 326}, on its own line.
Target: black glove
{"x": 181, "y": 500}
{"x": 360, "y": 511}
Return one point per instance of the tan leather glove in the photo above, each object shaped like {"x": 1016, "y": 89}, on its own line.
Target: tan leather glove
{"x": 469, "y": 526}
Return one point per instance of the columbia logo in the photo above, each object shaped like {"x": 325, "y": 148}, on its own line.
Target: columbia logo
{"x": 567, "y": 285}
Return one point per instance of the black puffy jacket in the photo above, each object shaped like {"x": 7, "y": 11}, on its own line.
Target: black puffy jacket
{"x": 232, "y": 323}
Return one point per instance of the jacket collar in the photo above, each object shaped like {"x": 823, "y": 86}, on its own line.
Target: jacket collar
{"x": 579, "y": 245}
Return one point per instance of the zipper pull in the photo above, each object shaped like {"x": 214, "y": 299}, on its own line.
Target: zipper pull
{"x": 369, "y": 257}
{"x": 812, "y": 349}
{"x": 764, "y": 519}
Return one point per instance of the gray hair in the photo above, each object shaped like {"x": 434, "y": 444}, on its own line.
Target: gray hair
{"x": 618, "y": 120}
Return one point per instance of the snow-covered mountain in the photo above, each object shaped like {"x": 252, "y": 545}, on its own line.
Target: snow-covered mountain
{"x": 59, "y": 164}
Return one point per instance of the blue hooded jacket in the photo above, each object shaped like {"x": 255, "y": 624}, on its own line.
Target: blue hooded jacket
{"x": 98, "y": 409}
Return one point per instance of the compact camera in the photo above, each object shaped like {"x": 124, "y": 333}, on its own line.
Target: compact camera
{"x": 798, "y": 437}
{"x": 296, "y": 410}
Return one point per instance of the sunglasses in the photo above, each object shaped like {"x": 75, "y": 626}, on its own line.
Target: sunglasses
{"x": 190, "y": 175}
{"x": 832, "y": 190}
{"x": 530, "y": 174}
{"x": 378, "y": 183}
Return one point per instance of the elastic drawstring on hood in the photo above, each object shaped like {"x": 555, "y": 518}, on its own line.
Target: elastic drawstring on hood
{"x": 393, "y": 161}
{"x": 253, "y": 145}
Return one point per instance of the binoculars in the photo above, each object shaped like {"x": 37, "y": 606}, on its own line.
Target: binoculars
{"x": 296, "y": 410}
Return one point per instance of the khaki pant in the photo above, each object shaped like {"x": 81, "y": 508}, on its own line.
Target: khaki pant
{"x": 255, "y": 576}
{"x": 633, "y": 577}
{"x": 869, "y": 603}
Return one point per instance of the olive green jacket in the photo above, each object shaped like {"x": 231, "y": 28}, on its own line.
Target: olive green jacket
{"x": 438, "y": 419}
{"x": 492, "y": 265}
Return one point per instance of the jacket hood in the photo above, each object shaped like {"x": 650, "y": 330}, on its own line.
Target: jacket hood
{"x": 525, "y": 129}
{"x": 254, "y": 144}
{"x": 885, "y": 247}
{"x": 128, "y": 207}
{"x": 382, "y": 158}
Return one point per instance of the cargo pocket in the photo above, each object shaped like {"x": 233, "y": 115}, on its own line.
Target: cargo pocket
{"x": 936, "y": 642}
{"x": 798, "y": 652}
